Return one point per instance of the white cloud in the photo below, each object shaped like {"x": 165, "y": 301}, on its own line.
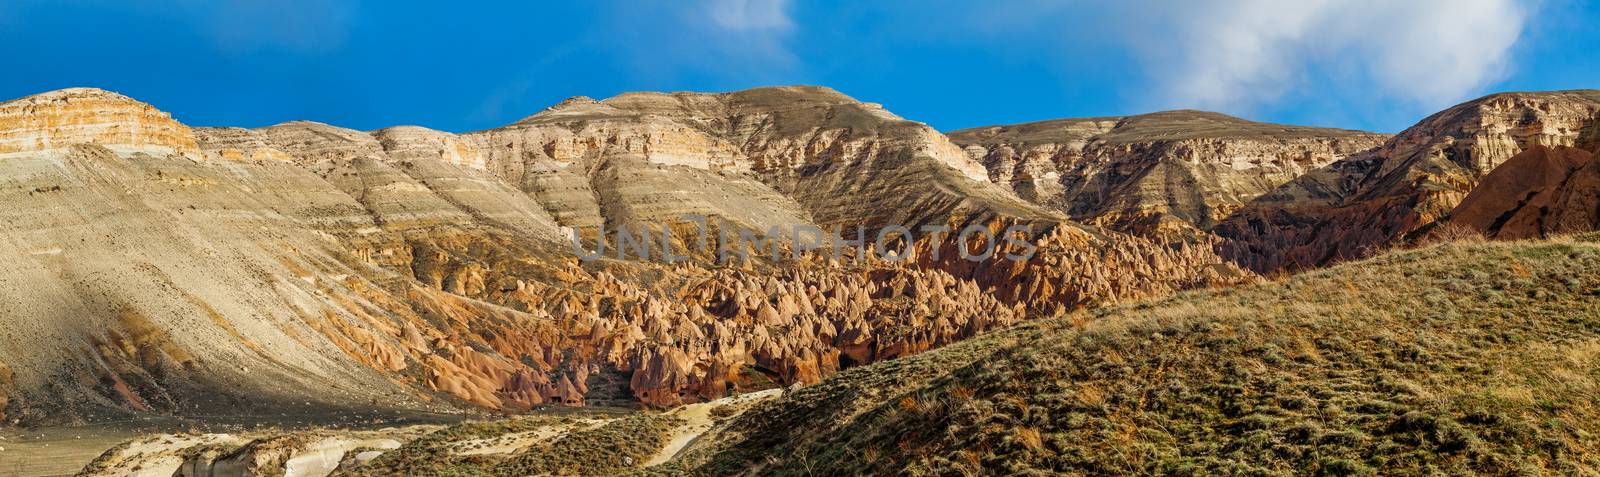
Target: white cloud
{"x": 1436, "y": 52}
{"x": 243, "y": 26}
{"x": 1242, "y": 54}
{"x": 749, "y": 14}
{"x": 737, "y": 41}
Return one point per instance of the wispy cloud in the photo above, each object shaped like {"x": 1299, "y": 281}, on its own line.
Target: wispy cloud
{"x": 729, "y": 40}
{"x": 745, "y": 15}
{"x": 1357, "y": 62}
{"x": 305, "y": 26}
{"x": 1243, "y": 54}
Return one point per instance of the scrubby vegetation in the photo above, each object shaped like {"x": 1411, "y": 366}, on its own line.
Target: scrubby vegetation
{"x": 434, "y": 454}
{"x": 1463, "y": 358}
{"x": 604, "y": 448}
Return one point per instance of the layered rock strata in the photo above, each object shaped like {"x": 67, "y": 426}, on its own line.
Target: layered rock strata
{"x": 1166, "y": 173}
{"x": 60, "y": 118}
{"x": 306, "y": 267}
{"x": 1538, "y": 193}
{"x": 799, "y": 155}
{"x": 1356, "y": 206}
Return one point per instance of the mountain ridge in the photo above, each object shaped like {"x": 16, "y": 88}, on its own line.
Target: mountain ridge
{"x": 341, "y": 276}
{"x": 427, "y": 271}
{"x": 1173, "y": 173}
{"x": 1391, "y": 194}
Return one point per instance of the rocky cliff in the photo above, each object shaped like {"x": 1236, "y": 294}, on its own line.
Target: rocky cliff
{"x": 756, "y": 158}
{"x": 1160, "y": 173}
{"x": 1361, "y": 204}
{"x": 58, "y": 119}
{"x": 303, "y": 266}
{"x": 1540, "y": 192}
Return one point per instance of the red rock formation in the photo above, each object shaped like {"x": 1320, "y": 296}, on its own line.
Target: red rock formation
{"x": 305, "y": 263}
{"x": 1537, "y": 193}
{"x": 1357, "y": 206}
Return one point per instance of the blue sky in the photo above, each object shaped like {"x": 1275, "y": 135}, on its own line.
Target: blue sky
{"x": 1365, "y": 64}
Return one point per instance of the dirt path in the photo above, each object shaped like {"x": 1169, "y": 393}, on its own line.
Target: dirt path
{"x": 698, "y": 420}
{"x": 52, "y": 452}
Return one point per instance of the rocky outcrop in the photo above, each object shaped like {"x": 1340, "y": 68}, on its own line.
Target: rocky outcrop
{"x": 1540, "y": 192}
{"x": 416, "y": 143}
{"x": 237, "y": 144}
{"x": 61, "y": 118}
{"x": 1173, "y": 172}
{"x": 407, "y": 177}
{"x": 1356, "y": 206}
{"x": 308, "y": 452}
{"x": 453, "y": 169}
{"x": 306, "y": 265}
{"x": 772, "y": 147}
{"x": 159, "y": 281}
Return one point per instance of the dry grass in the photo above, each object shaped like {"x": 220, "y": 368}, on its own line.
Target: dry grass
{"x": 1465, "y": 358}
{"x": 609, "y": 449}
{"x": 1451, "y": 232}
{"x": 1029, "y": 438}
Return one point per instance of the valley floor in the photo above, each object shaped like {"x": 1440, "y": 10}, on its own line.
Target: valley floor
{"x": 66, "y": 450}
{"x": 584, "y": 441}
{"x": 56, "y": 451}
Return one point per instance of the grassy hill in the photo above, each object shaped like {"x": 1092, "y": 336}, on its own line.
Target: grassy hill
{"x": 1455, "y": 359}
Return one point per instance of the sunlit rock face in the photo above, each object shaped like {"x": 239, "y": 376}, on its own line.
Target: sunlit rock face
{"x": 807, "y": 153}
{"x": 1540, "y": 192}
{"x": 237, "y": 144}
{"x": 408, "y": 176}
{"x": 1173, "y": 172}
{"x": 61, "y": 118}
{"x": 1361, "y": 204}
{"x": 406, "y": 143}
{"x": 162, "y": 269}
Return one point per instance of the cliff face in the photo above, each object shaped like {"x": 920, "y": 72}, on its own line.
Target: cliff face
{"x": 172, "y": 270}
{"x": 1540, "y": 192}
{"x": 800, "y": 155}
{"x": 1364, "y": 203}
{"x": 406, "y": 177}
{"x": 58, "y": 119}
{"x": 1161, "y": 173}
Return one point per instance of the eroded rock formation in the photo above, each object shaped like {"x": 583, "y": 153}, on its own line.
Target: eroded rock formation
{"x": 5, "y": 390}
{"x": 61, "y": 118}
{"x": 1540, "y": 192}
{"x": 1362, "y": 204}
{"x": 789, "y": 155}
{"x": 303, "y": 265}
{"x": 1173, "y": 172}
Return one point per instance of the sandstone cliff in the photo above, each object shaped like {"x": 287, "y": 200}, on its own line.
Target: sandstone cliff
{"x": 1167, "y": 172}
{"x": 1364, "y": 203}
{"x": 61, "y": 118}
{"x": 1540, "y": 192}
{"x": 163, "y": 269}
{"x": 795, "y": 155}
